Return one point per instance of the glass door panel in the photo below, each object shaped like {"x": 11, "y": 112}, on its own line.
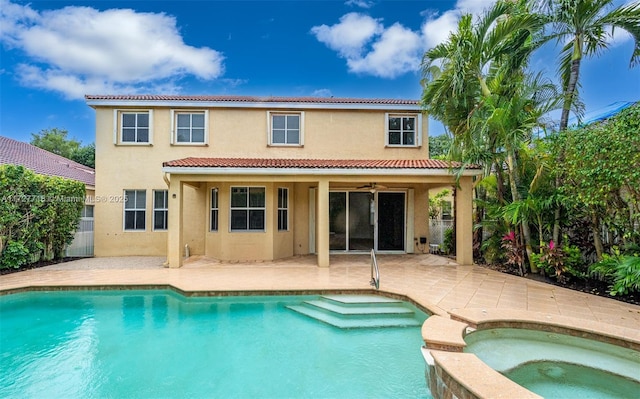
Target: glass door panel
{"x": 361, "y": 221}
{"x": 338, "y": 221}
{"x": 391, "y": 221}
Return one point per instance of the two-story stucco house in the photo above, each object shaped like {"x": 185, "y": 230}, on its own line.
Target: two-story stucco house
{"x": 263, "y": 178}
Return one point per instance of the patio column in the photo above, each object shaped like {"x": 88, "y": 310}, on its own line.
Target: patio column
{"x": 175, "y": 242}
{"x": 322, "y": 224}
{"x": 464, "y": 221}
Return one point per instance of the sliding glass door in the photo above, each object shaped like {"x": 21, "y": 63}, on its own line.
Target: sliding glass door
{"x": 354, "y": 226}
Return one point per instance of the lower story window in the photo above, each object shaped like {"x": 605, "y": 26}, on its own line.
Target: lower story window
{"x": 283, "y": 209}
{"x": 160, "y": 209}
{"x": 135, "y": 209}
{"x": 214, "y": 209}
{"x": 247, "y": 208}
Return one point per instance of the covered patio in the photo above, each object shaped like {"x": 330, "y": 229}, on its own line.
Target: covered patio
{"x": 299, "y": 207}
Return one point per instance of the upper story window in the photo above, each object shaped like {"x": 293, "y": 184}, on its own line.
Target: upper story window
{"x": 133, "y": 127}
{"x": 286, "y": 129}
{"x": 404, "y": 130}
{"x": 189, "y": 127}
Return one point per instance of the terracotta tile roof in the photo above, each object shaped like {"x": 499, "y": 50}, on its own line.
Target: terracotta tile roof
{"x": 43, "y": 162}
{"x": 251, "y": 99}
{"x": 310, "y": 163}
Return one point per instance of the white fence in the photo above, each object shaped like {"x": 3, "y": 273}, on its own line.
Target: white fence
{"x": 82, "y": 244}
{"x": 437, "y": 229}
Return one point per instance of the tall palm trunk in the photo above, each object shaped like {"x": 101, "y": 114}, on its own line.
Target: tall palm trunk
{"x": 569, "y": 96}
{"x": 514, "y": 181}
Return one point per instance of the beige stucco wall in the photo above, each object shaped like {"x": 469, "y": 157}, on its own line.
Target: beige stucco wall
{"x": 234, "y": 133}
{"x": 330, "y": 134}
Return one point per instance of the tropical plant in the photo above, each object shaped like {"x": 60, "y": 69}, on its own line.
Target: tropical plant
{"x": 605, "y": 190}
{"x": 38, "y": 215}
{"x": 492, "y": 105}
{"x": 449, "y": 242}
{"x": 513, "y": 251}
{"x": 584, "y": 28}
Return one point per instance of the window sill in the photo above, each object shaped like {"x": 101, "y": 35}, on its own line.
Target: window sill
{"x": 127, "y": 144}
{"x": 190, "y": 144}
{"x": 402, "y": 146}
{"x": 286, "y": 145}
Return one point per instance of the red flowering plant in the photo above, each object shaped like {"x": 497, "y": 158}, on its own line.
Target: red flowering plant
{"x": 553, "y": 260}
{"x": 513, "y": 250}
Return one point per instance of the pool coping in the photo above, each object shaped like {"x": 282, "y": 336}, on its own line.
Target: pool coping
{"x": 466, "y": 376}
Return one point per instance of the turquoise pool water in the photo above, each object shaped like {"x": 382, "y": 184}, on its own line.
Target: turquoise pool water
{"x": 559, "y": 366}
{"x": 158, "y": 344}
{"x": 565, "y": 380}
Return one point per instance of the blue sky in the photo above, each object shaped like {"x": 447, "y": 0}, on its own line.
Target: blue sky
{"x": 54, "y": 52}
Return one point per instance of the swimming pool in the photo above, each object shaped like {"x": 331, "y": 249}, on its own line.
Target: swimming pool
{"x": 557, "y": 365}
{"x": 149, "y": 344}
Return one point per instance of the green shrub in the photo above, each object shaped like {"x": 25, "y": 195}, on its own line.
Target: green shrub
{"x": 38, "y": 215}
{"x": 449, "y": 243}
{"x": 14, "y": 255}
{"x": 560, "y": 262}
{"x": 627, "y": 276}
{"x": 620, "y": 271}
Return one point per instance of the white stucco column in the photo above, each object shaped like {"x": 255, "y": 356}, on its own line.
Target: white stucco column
{"x": 322, "y": 223}
{"x": 464, "y": 221}
{"x": 175, "y": 242}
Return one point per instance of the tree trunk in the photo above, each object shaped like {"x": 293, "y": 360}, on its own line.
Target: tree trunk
{"x": 514, "y": 179}
{"x": 499, "y": 183}
{"x": 477, "y": 232}
{"x": 569, "y": 96}
{"x": 597, "y": 240}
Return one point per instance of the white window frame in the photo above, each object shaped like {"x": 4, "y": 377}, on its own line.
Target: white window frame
{"x": 128, "y": 198}
{"x": 248, "y": 208}
{"x": 164, "y": 209}
{"x": 418, "y": 129}
{"x": 270, "y": 115}
{"x": 215, "y": 207}
{"x": 117, "y": 126}
{"x": 84, "y": 213}
{"x": 449, "y": 214}
{"x": 174, "y": 127}
{"x": 284, "y": 209}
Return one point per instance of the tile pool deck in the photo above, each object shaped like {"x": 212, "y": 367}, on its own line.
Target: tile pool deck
{"x": 434, "y": 282}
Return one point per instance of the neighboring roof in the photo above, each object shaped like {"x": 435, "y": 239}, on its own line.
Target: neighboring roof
{"x": 316, "y": 166}
{"x": 600, "y": 114}
{"x": 43, "y": 162}
{"x": 251, "y": 101}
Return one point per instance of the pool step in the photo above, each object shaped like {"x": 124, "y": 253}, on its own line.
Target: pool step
{"x": 358, "y": 311}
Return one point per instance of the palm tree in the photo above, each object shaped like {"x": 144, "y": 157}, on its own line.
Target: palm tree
{"x": 582, "y": 25}
{"x": 585, "y": 27}
{"x": 476, "y": 85}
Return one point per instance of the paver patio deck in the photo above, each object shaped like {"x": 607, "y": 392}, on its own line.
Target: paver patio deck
{"x": 435, "y": 282}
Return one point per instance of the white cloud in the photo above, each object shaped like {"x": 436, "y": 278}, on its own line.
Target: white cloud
{"x": 371, "y": 48}
{"x": 436, "y": 29}
{"x": 394, "y": 53}
{"x": 80, "y": 50}
{"x": 349, "y": 35}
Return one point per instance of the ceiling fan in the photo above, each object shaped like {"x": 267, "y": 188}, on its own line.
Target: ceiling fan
{"x": 373, "y": 186}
